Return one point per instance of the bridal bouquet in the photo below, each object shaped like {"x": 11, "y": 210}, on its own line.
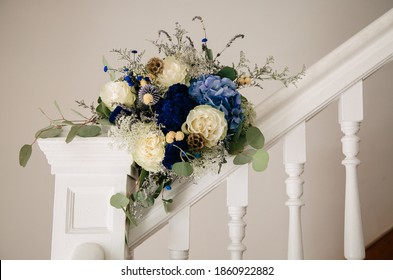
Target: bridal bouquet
{"x": 179, "y": 113}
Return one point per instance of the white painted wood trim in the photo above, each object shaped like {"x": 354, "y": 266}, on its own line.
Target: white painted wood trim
{"x": 325, "y": 81}
{"x": 237, "y": 202}
{"x": 294, "y": 159}
{"x": 179, "y": 235}
{"x": 350, "y": 117}
{"x": 87, "y": 173}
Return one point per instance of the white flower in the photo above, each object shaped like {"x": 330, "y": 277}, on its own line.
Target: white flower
{"x": 148, "y": 147}
{"x": 173, "y": 72}
{"x": 114, "y": 93}
{"x": 207, "y": 121}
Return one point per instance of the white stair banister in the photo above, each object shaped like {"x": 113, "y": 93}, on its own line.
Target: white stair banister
{"x": 237, "y": 202}
{"x": 294, "y": 160}
{"x": 350, "y": 117}
{"x": 179, "y": 235}
{"x": 87, "y": 173}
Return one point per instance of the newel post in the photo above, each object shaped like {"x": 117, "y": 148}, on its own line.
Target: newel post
{"x": 88, "y": 171}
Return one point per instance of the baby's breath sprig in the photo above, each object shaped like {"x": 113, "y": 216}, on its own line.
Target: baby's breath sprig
{"x": 265, "y": 72}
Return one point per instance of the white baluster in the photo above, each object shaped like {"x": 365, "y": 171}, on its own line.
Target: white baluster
{"x": 237, "y": 202}
{"x": 294, "y": 160}
{"x": 179, "y": 235}
{"x": 350, "y": 116}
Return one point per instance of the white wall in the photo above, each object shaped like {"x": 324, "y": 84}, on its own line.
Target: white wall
{"x": 51, "y": 50}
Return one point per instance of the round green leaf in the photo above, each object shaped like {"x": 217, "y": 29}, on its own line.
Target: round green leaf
{"x": 24, "y": 154}
{"x": 260, "y": 160}
{"x": 228, "y": 72}
{"x": 182, "y": 169}
{"x": 49, "y": 133}
{"x": 255, "y": 137}
{"x": 73, "y": 132}
{"x": 89, "y": 130}
{"x": 119, "y": 200}
{"x": 242, "y": 158}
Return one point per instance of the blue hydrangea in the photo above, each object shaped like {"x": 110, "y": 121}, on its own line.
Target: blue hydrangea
{"x": 173, "y": 110}
{"x": 221, "y": 94}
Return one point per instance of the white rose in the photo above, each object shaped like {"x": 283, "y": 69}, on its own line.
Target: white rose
{"x": 207, "y": 121}
{"x": 173, "y": 72}
{"x": 149, "y": 149}
{"x": 114, "y": 93}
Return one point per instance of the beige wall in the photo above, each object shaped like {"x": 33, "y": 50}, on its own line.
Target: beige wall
{"x": 51, "y": 50}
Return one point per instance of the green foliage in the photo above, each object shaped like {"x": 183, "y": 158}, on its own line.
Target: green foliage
{"x": 255, "y": 138}
{"x": 24, "y": 154}
{"x": 260, "y": 160}
{"x": 255, "y": 155}
{"x": 73, "y": 132}
{"x": 119, "y": 201}
{"x": 209, "y": 54}
{"x": 167, "y": 203}
{"x": 89, "y": 131}
{"x": 183, "y": 169}
{"x": 49, "y": 132}
{"x": 103, "y": 111}
{"x": 228, "y": 72}
{"x": 238, "y": 141}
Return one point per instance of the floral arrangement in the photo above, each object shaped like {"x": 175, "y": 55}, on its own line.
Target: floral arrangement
{"x": 179, "y": 114}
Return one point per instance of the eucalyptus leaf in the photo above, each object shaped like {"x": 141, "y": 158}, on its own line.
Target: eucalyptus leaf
{"x": 141, "y": 196}
{"x": 104, "y": 122}
{"x": 255, "y": 137}
{"x": 149, "y": 201}
{"x": 144, "y": 173}
{"x": 89, "y": 130}
{"x": 37, "y": 134}
{"x": 241, "y": 159}
{"x": 103, "y": 111}
{"x": 134, "y": 196}
{"x": 58, "y": 107}
{"x": 73, "y": 132}
{"x": 209, "y": 54}
{"x": 260, "y": 160}
{"x": 131, "y": 219}
{"x": 238, "y": 146}
{"x": 167, "y": 203}
{"x": 119, "y": 200}
{"x": 80, "y": 114}
{"x": 49, "y": 133}
{"x": 183, "y": 169}
{"x": 24, "y": 154}
{"x": 228, "y": 72}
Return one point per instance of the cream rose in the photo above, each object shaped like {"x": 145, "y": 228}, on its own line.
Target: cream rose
{"x": 149, "y": 149}
{"x": 173, "y": 72}
{"x": 207, "y": 121}
{"x": 113, "y": 93}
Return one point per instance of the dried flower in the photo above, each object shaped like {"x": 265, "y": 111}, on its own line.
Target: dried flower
{"x": 195, "y": 141}
{"x": 155, "y": 66}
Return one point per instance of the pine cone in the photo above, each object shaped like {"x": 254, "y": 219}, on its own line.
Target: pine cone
{"x": 196, "y": 141}
{"x": 155, "y": 66}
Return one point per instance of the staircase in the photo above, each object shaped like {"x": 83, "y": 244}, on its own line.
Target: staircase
{"x": 89, "y": 171}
